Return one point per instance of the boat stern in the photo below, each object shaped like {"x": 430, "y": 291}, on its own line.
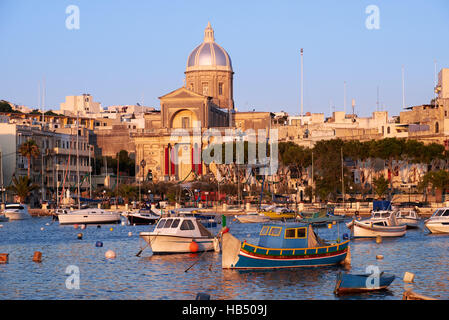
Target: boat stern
{"x": 230, "y": 248}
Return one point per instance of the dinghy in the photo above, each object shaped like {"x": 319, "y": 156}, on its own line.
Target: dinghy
{"x": 353, "y": 283}
{"x": 371, "y": 228}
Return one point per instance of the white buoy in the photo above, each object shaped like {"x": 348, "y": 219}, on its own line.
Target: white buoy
{"x": 123, "y": 223}
{"x": 409, "y": 277}
{"x": 130, "y": 234}
{"x": 83, "y": 226}
{"x": 110, "y": 254}
{"x": 47, "y": 224}
{"x": 42, "y": 229}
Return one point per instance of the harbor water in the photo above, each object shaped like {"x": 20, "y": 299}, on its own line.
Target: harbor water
{"x": 164, "y": 276}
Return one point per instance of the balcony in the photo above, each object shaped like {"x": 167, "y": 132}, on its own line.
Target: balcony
{"x": 72, "y": 151}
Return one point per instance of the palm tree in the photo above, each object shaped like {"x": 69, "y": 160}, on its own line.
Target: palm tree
{"x": 29, "y": 149}
{"x": 127, "y": 191}
{"x": 22, "y": 187}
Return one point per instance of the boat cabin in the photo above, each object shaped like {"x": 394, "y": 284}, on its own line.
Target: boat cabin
{"x": 182, "y": 226}
{"x": 289, "y": 236}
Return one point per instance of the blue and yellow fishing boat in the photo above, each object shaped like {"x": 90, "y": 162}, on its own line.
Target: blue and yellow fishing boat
{"x": 282, "y": 246}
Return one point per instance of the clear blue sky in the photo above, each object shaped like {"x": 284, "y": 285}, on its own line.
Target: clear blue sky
{"x": 129, "y": 51}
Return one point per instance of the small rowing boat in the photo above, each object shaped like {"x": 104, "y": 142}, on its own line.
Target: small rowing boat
{"x": 353, "y": 283}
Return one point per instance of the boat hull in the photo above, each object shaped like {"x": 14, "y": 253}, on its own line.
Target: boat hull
{"x": 17, "y": 215}
{"x": 409, "y": 222}
{"x": 437, "y": 227}
{"x": 236, "y": 255}
{"x": 89, "y": 218}
{"x": 252, "y": 219}
{"x": 348, "y": 283}
{"x": 141, "y": 220}
{"x": 361, "y": 230}
{"x": 170, "y": 244}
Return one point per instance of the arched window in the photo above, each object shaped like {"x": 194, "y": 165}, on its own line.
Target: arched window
{"x": 388, "y": 130}
{"x": 437, "y": 127}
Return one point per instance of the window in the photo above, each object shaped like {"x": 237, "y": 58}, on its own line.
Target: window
{"x": 168, "y": 223}
{"x": 205, "y": 88}
{"x": 220, "y": 88}
{"x": 191, "y": 86}
{"x": 290, "y": 233}
{"x": 388, "y": 130}
{"x": 275, "y": 231}
{"x": 301, "y": 233}
{"x": 185, "y": 122}
{"x": 446, "y": 213}
{"x": 175, "y": 223}
{"x": 264, "y": 231}
{"x": 187, "y": 225}
{"x": 437, "y": 127}
{"x": 160, "y": 224}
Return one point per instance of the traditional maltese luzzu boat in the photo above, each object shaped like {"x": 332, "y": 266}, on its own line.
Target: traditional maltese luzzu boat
{"x": 282, "y": 246}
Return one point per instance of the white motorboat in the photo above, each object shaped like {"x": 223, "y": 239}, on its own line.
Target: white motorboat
{"x": 439, "y": 221}
{"x": 408, "y": 217}
{"x": 371, "y": 228}
{"x": 180, "y": 235}
{"x": 89, "y": 216}
{"x": 143, "y": 216}
{"x": 16, "y": 211}
{"x": 252, "y": 217}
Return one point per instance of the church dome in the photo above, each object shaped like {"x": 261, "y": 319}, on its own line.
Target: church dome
{"x": 209, "y": 55}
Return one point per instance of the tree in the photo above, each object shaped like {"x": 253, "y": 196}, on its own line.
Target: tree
{"x": 127, "y": 192}
{"x": 437, "y": 180}
{"x": 22, "y": 187}
{"x": 380, "y": 186}
{"x": 30, "y": 150}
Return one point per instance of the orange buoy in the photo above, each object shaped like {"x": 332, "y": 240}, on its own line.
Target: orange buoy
{"x": 4, "y": 257}
{"x": 75, "y": 226}
{"x": 193, "y": 246}
{"x": 110, "y": 254}
{"x": 37, "y": 256}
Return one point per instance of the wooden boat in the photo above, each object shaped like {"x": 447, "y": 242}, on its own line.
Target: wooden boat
{"x": 408, "y": 217}
{"x": 439, "y": 221}
{"x": 352, "y": 283}
{"x": 371, "y": 228}
{"x": 253, "y": 217}
{"x": 282, "y": 246}
{"x": 280, "y": 213}
{"x": 180, "y": 235}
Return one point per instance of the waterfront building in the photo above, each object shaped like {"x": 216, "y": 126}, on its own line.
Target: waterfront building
{"x": 56, "y": 166}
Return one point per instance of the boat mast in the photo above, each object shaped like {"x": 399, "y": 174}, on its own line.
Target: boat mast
{"x": 78, "y": 157}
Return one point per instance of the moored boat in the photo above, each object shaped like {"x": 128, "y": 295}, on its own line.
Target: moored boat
{"x": 252, "y": 217}
{"x": 279, "y": 213}
{"x": 282, "y": 246}
{"x": 408, "y": 217}
{"x": 439, "y": 221}
{"x": 89, "y": 216}
{"x": 353, "y": 283}
{"x": 142, "y": 217}
{"x": 16, "y": 211}
{"x": 371, "y": 228}
{"x": 180, "y": 235}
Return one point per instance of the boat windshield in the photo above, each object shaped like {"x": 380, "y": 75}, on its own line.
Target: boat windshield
{"x": 187, "y": 225}
{"x": 175, "y": 223}
{"x": 441, "y": 213}
{"x": 14, "y": 206}
{"x": 168, "y": 223}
